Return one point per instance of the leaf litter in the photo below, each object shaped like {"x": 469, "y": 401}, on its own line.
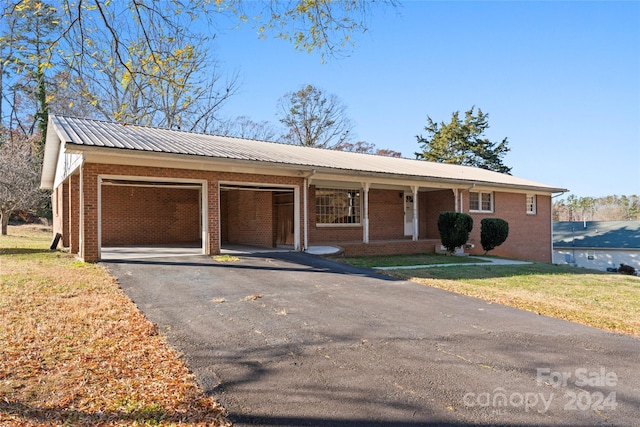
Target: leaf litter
{"x": 76, "y": 350}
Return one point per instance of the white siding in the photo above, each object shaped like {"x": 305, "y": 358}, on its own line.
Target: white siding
{"x": 602, "y": 258}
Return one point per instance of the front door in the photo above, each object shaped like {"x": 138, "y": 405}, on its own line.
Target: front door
{"x": 408, "y": 214}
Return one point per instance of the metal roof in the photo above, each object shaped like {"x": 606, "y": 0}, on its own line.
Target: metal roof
{"x": 597, "y": 234}
{"x": 96, "y": 133}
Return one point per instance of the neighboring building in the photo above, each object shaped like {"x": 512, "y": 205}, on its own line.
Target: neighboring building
{"x": 597, "y": 244}
{"x": 117, "y": 185}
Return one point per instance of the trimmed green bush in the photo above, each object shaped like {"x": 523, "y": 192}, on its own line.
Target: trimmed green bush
{"x": 454, "y": 229}
{"x": 493, "y": 233}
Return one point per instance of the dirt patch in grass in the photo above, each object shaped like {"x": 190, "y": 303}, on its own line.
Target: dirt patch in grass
{"x": 605, "y": 301}
{"x": 76, "y": 350}
{"x": 404, "y": 260}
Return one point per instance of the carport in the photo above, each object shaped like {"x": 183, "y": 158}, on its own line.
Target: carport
{"x": 259, "y": 215}
{"x": 149, "y": 215}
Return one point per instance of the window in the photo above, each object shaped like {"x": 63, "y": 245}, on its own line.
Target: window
{"x": 337, "y": 206}
{"x": 531, "y": 204}
{"x": 480, "y": 202}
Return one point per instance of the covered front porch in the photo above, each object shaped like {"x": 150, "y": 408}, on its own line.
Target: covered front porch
{"x": 380, "y": 218}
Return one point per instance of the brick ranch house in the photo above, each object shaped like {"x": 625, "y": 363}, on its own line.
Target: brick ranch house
{"x": 123, "y": 185}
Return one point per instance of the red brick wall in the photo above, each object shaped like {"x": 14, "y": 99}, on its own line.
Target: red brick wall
{"x": 224, "y": 217}
{"x": 250, "y": 218}
{"x": 386, "y": 215}
{"x": 134, "y": 215}
{"x": 60, "y": 208}
{"x": 529, "y": 235}
{"x": 328, "y": 233}
{"x": 431, "y": 203}
{"x": 90, "y": 174}
{"x": 390, "y": 248}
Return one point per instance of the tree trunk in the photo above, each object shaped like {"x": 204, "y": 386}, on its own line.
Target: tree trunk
{"x": 4, "y": 218}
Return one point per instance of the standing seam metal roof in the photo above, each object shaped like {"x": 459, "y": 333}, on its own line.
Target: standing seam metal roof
{"x": 97, "y": 133}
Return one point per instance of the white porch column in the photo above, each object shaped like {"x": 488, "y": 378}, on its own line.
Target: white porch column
{"x": 305, "y": 220}
{"x": 455, "y": 199}
{"x": 296, "y": 219}
{"x": 414, "y": 189}
{"x": 365, "y": 212}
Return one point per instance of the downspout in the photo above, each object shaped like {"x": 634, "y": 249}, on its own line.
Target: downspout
{"x": 305, "y": 208}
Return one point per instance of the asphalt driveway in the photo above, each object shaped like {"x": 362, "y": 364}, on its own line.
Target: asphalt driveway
{"x": 293, "y": 339}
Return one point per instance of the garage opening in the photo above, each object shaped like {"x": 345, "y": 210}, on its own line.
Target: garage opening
{"x": 257, "y": 216}
{"x": 150, "y": 216}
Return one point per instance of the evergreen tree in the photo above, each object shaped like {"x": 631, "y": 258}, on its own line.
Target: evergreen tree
{"x": 463, "y": 142}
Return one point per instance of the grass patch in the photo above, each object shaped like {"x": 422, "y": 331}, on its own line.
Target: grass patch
{"x": 225, "y": 258}
{"x": 403, "y": 260}
{"x": 598, "y": 299}
{"x": 76, "y": 350}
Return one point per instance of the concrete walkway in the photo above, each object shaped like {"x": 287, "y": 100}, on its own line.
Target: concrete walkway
{"x": 484, "y": 261}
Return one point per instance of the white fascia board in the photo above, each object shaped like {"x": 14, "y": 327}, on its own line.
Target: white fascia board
{"x": 49, "y": 162}
{"x": 66, "y": 165}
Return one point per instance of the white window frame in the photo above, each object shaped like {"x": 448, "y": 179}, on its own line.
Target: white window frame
{"x": 358, "y": 208}
{"x": 531, "y": 204}
{"x": 481, "y": 195}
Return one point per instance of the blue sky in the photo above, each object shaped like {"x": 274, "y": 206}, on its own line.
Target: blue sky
{"x": 561, "y": 80}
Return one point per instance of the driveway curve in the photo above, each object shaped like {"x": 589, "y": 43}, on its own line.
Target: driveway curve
{"x": 291, "y": 339}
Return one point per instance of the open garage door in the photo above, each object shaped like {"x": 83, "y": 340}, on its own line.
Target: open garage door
{"x": 258, "y": 215}
{"x": 151, "y": 214}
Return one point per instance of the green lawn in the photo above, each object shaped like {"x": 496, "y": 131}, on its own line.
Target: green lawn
{"x": 599, "y": 299}
{"x": 403, "y": 260}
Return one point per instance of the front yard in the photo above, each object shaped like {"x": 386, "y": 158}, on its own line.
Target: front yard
{"x": 76, "y": 350}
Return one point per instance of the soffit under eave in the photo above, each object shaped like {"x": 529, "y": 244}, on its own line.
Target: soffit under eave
{"x": 182, "y": 161}
{"x": 425, "y": 184}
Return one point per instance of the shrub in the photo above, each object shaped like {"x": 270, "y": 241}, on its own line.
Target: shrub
{"x": 627, "y": 269}
{"x": 454, "y": 229}
{"x": 493, "y": 233}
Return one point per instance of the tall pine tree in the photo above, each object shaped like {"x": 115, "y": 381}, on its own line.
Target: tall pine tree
{"x": 463, "y": 142}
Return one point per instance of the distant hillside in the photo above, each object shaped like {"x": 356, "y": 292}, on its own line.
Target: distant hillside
{"x": 608, "y": 208}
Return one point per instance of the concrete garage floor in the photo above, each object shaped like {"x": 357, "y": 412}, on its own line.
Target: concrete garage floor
{"x": 290, "y": 339}
{"x": 116, "y": 253}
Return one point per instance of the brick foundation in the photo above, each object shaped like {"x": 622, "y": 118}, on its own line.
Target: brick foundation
{"x": 390, "y": 247}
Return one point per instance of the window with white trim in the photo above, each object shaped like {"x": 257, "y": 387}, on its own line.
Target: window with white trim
{"x": 531, "y": 204}
{"x": 337, "y": 206}
{"x": 480, "y": 201}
